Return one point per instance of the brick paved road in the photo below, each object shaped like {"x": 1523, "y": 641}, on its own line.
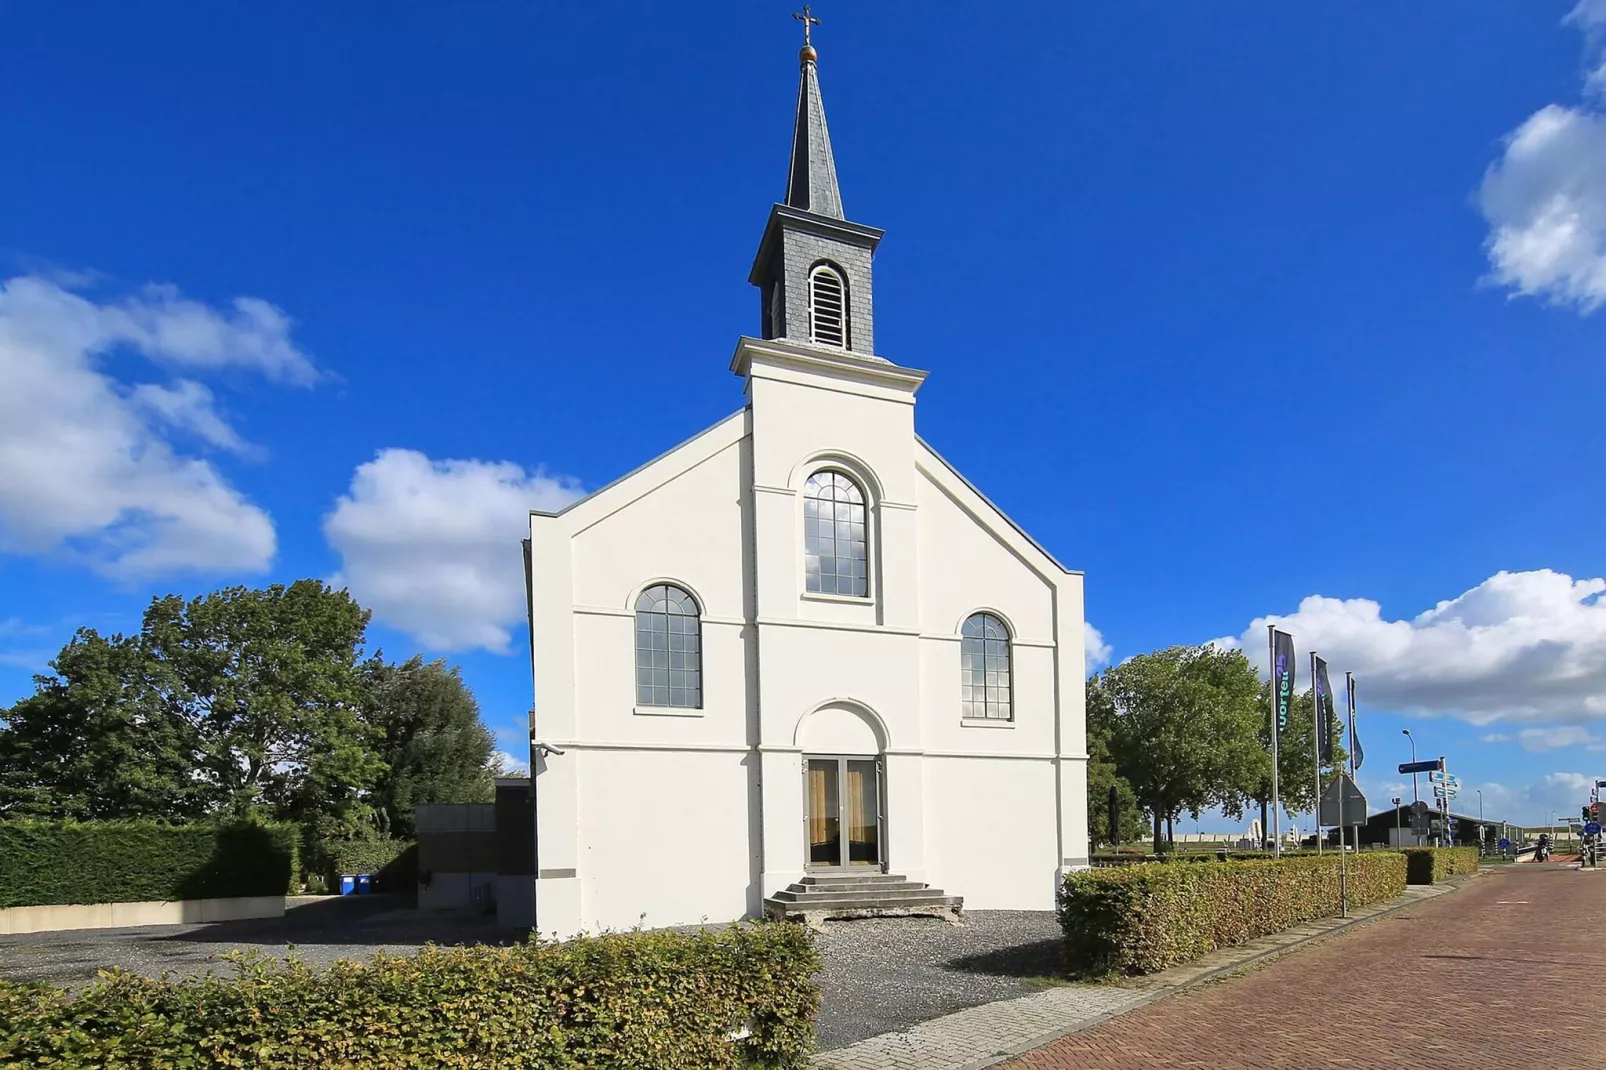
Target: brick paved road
{"x": 1513, "y": 948}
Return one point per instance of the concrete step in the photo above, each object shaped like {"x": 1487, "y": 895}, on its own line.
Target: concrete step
{"x": 854, "y": 886}
{"x": 865, "y": 902}
{"x": 795, "y": 894}
{"x": 870, "y": 877}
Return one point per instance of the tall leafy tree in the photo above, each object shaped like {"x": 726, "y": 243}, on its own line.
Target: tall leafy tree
{"x": 97, "y": 740}
{"x": 434, "y": 745}
{"x": 1102, "y": 777}
{"x": 268, "y": 680}
{"x": 1183, "y": 728}
{"x": 239, "y": 700}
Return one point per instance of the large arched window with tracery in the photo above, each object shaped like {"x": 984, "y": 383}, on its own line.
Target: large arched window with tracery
{"x": 669, "y": 658}
{"x": 984, "y": 667}
{"x": 835, "y": 546}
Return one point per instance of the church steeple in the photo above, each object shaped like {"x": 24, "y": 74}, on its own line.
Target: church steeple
{"x": 812, "y": 184}
{"x": 813, "y": 265}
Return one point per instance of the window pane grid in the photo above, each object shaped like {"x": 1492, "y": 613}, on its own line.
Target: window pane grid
{"x": 984, "y": 668}
{"x": 668, "y": 649}
{"x": 835, "y": 548}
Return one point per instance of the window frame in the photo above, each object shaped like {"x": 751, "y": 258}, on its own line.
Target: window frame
{"x": 866, "y": 540}
{"x": 999, "y": 696}
{"x": 840, "y": 277}
{"x": 691, "y": 651}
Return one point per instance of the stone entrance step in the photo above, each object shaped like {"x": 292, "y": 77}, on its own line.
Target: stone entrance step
{"x": 817, "y": 897}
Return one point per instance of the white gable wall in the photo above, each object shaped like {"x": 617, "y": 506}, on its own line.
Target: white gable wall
{"x": 686, "y": 815}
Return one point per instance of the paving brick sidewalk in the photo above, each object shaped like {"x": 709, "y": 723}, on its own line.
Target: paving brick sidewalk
{"x": 986, "y": 1035}
{"x": 1481, "y": 978}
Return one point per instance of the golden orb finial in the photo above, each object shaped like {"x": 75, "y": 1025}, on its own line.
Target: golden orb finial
{"x": 806, "y": 17}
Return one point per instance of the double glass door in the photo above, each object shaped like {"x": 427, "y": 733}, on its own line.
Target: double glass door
{"x": 842, "y": 813}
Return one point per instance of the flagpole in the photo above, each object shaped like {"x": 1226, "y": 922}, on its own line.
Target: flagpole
{"x": 1343, "y": 857}
{"x": 1276, "y": 797}
{"x": 1316, "y": 747}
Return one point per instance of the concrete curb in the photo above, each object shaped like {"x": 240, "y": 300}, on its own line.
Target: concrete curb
{"x": 1218, "y": 964}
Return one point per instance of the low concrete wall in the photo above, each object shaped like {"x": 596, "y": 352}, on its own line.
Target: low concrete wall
{"x": 15, "y": 920}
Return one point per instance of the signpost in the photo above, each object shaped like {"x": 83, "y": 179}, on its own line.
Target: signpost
{"x": 1340, "y": 795}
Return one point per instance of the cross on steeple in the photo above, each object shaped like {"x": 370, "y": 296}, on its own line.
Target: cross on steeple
{"x": 808, "y": 21}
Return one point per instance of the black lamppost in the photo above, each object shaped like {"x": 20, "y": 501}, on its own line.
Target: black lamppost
{"x": 1416, "y": 795}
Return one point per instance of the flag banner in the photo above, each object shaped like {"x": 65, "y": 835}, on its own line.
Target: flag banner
{"x": 1282, "y": 675}
{"x": 1356, "y": 754}
{"x": 1326, "y": 716}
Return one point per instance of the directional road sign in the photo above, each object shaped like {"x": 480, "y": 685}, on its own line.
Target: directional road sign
{"x": 1354, "y": 802}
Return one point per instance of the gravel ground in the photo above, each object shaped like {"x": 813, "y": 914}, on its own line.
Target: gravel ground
{"x": 886, "y": 974}
{"x": 319, "y": 931}
{"x": 880, "y": 974}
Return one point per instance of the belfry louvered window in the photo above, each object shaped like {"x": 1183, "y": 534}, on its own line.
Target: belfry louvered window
{"x": 835, "y": 550}
{"x": 984, "y": 667}
{"x": 669, "y": 657}
{"x": 828, "y": 308}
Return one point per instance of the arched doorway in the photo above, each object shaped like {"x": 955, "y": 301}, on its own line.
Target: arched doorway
{"x": 844, "y": 789}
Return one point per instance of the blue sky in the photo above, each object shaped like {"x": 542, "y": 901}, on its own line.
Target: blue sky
{"x": 1276, "y": 313}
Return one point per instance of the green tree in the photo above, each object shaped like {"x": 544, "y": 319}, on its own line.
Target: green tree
{"x": 96, "y": 740}
{"x": 434, "y": 745}
{"x": 240, "y": 700}
{"x": 1102, "y": 776}
{"x": 268, "y": 680}
{"x": 1183, "y": 730}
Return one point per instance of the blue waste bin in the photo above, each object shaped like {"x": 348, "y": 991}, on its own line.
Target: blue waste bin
{"x": 364, "y": 883}
{"x": 348, "y": 884}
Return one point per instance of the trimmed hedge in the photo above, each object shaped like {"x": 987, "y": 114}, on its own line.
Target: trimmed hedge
{"x": 648, "y": 1000}
{"x": 1425, "y": 865}
{"x": 1140, "y": 919}
{"x": 393, "y": 863}
{"x": 50, "y": 863}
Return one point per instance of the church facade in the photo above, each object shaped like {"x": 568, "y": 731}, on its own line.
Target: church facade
{"x": 799, "y": 642}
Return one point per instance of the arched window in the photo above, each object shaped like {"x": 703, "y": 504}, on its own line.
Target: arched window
{"x": 669, "y": 659}
{"x": 984, "y": 667}
{"x": 828, "y": 308}
{"x": 834, "y": 547}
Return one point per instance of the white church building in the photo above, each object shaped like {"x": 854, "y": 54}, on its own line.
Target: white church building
{"x": 799, "y": 650}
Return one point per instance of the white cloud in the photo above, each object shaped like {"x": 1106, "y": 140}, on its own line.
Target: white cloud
{"x": 1545, "y": 197}
{"x": 1560, "y": 793}
{"x": 1096, "y": 650}
{"x": 188, "y": 406}
{"x": 504, "y": 764}
{"x": 432, "y": 547}
{"x": 1555, "y": 738}
{"x": 88, "y": 467}
{"x": 1520, "y": 646}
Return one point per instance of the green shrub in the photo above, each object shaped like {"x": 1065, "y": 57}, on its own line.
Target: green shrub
{"x": 1425, "y": 865}
{"x": 393, "y": 863}
{"x": 1139, "y": 919}
{"x": 647, "y": 1000}
{"x": 46, "y": 863}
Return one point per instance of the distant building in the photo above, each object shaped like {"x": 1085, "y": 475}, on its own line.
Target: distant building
{"x": 1392, "y": 827}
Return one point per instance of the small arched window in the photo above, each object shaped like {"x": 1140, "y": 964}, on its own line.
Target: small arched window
{"x": 669, "y": 659}
{"x": 828, "y": 308}
{"x": 984, "y": 667}
{"x": 835, "y": 558}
